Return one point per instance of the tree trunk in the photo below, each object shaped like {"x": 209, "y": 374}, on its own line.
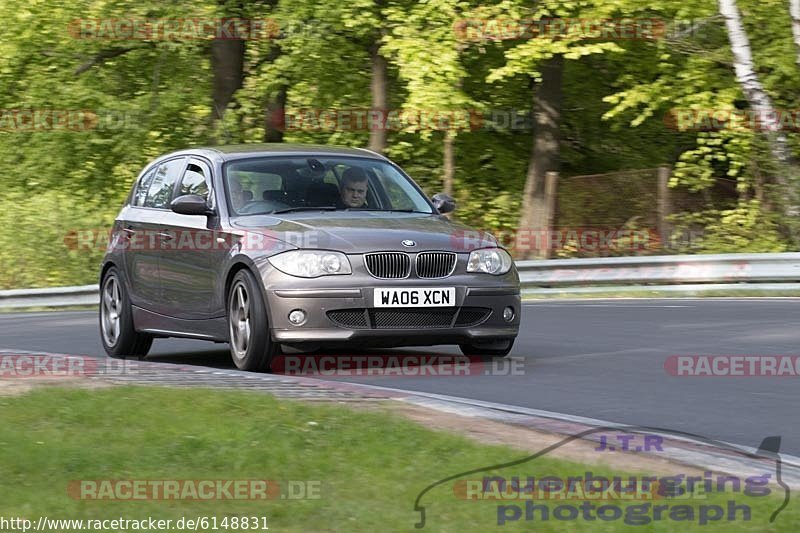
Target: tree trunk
{"x": 379, "y": 90}
{"x": 544, "y": 156}
{"x": 275, "y": 116}
{"x": 758, "y": 99}
{"x": 449, "y": 162}
{"x": 275, "y": 103}
{"x": 227, "y": 66}
{"x": 794, "y": 10}
{"x": 664, "y": 205}
{"x": 550, "y": 205}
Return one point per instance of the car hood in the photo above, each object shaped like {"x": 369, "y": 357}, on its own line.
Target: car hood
{"x": 359, "y": 232}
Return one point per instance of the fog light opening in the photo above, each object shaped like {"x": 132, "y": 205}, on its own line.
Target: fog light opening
{"x": 297, "y": 317}
{"x": 508, "y": 314}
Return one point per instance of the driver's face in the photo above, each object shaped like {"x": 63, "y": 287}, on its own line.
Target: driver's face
{"x": 354, "y": 193}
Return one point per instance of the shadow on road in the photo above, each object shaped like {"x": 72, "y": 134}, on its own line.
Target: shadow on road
{"x": 341, "y": 363}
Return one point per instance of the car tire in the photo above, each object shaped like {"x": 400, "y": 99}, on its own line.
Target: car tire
{"x": 117, "y": 333}
{"x": 495, "y": 348}
{"x": 252, "y": 348}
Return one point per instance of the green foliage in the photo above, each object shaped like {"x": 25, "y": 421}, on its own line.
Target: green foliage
{"x": 743, "y": 229}
{"x": 693, "y": 78}
{"x": 53, "y": 238}
{"x": 619, "y": 99}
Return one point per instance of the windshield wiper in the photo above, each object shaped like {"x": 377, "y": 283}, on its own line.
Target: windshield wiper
{"x": 304, "y": 208}
{"x": 388, "y": 210}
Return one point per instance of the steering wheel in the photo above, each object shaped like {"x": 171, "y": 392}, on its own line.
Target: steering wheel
{"x": 260, "y": 206}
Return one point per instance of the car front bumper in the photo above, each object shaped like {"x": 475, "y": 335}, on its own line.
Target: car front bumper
{"x": 339, "y": 311}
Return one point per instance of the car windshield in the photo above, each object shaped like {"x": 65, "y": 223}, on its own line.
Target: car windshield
{"x": 291, "y": 184}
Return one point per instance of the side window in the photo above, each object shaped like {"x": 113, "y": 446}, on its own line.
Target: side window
{"x": 397, "y": 196}
{"x": 160, "y": 192}
{"x": 141, "y": 189}
{"x": 194, "y": 181}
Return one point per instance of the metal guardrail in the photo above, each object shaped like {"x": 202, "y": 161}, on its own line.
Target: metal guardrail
{"x": 668, "y": 273}
{"x": 54, "y": 297}
{"x": 701, "y": 273}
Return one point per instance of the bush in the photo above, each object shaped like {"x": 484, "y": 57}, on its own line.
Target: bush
{"x": 52, "y": 239}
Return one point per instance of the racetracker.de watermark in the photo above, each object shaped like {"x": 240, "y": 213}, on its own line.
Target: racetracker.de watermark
{"x": 607, "y": 29}
{"x": 733, "y": 365}
{"x": 173, "y": 29}
{"x": 684, "y": 119}
{"x": 42, "y": 119}
{"x": 186, "y": 240}
{"x": 193, "y": 489}
{"x": 61, "y": 366}
{"x": 409, "y": 120}
{"x": 36, "y": 120}
{"x": 578, "y": 239}
{"x": 408, "y": 365}
{"x": 587, "y": 239}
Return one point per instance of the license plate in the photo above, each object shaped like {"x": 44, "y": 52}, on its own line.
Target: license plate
{"x": 422, "y": 297}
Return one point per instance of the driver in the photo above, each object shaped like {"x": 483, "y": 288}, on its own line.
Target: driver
{"x": 354, "y": 189}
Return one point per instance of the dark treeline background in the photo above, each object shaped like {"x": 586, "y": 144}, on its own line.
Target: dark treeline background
{"x": 581, "y": 105}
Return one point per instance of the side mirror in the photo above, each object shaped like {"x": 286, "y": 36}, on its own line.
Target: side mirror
{"x": 444, "y": 203}
{"x": 190, "y": 204}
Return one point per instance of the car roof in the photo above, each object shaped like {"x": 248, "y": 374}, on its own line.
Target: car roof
{"x": 242, "y": 151}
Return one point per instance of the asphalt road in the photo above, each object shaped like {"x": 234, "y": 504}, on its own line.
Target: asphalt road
{"x": 598, "y": 358}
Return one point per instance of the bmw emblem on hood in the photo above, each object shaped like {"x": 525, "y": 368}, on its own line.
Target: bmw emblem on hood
{"x": 408, "y": 243}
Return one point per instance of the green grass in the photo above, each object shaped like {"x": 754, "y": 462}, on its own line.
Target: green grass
{"x": 370, "y": 465}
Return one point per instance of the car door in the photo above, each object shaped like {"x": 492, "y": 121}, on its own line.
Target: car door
{"x": 141, "y": 264}
{"x": 143, "y": 225}
{"x": 191, "y": 262}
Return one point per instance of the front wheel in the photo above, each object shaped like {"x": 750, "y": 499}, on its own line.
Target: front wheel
{"x": 117, "y": 333}
{"x": 498, "y": 348}
{"x": 252, "y": 348}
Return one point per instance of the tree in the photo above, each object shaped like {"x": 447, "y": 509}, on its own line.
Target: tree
{"x": 545, "y": 155}
{"x": 428, "y": 55}
{"x": 227, "y": 62}
{"x": 541, "y": 57}
{"x": 794, "y": 11}
{"x": 757, "y": 97}
{"x": 694, "y": 82}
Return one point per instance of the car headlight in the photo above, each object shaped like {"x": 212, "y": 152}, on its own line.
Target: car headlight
{"x": 490, "y": 261}
{"x": 311, "y": 263}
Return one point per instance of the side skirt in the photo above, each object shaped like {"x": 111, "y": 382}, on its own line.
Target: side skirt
{"x": 214, "y": 329}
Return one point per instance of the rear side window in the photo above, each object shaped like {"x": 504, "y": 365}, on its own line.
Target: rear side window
{"x": 160, "y": 191}
{"x": 144, "y": 185}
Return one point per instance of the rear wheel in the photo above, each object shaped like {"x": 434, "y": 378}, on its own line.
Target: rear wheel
{"x": 248, "y": 328}
{"x": 117, "y": 333}
{"x": 496, "y": 348}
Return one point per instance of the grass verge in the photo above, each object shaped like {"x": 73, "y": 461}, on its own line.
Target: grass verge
{"x": 367, "y": 467}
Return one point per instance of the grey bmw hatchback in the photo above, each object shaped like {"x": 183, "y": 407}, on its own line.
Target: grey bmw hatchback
{"x": 266, "y": 246}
